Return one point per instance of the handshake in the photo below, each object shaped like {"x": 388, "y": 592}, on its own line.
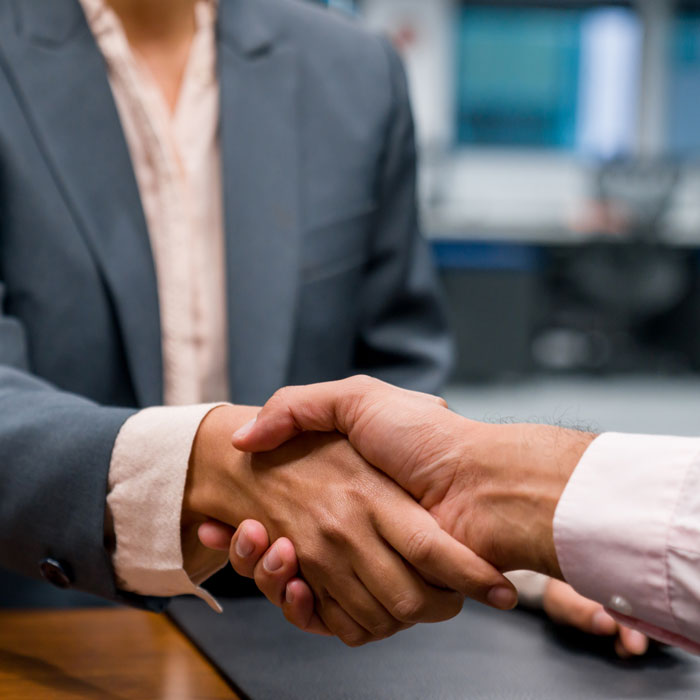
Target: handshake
{"x": 386, "y": 509}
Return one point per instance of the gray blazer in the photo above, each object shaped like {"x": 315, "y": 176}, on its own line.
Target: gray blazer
{"x": 327, "y": 274}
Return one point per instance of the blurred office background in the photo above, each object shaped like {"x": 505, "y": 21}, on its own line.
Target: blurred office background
{"x": 560, "y": 178}
{"x": 560, "y": 189}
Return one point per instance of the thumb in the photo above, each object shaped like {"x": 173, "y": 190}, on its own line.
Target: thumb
{"x": 327, "y": 407}
{"x": 290, "y": 411}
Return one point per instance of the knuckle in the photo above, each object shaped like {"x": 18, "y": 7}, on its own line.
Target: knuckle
{"x": 362, "y": 380}
{"x": 362, "y": 384}
{"x": 384, "y": 628}
{"x": 332, "y": 531}
{"x": 317, "y": 564}
{"x": 409, "y": 608}
{"x": 419, "y": 547}
{"x": 281, "y": 397}
{"x": 582, "y": 614}
{"x": 358, "y": 496}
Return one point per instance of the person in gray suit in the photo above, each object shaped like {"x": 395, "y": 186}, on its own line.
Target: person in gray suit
{"x": 326, "y": 275}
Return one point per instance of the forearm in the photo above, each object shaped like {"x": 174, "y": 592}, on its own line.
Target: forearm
{"x": 518, "y": 474}
{"x": 216, "y": 471}
{"x": 55, "y": 450}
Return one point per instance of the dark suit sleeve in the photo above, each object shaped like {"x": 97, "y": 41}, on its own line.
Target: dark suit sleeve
{"x": 55, "y": 452}
{"x": 404, "y": 337}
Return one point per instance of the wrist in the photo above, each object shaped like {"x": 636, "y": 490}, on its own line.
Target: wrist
{"x": 556, "y": 452}
{"x": 215, "y": 468}
{"x": 517, "y": 475}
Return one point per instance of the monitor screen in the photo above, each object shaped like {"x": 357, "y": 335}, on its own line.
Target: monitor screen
{"x": 684, "y": 86}
{"x": 564, "y": 78}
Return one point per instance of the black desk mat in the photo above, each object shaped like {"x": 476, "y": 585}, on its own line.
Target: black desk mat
{"x": 481, "y": 654}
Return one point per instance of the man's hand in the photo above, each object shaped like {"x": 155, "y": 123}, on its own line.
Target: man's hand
{"x": 494, "y": 487}
{"x": 362, "y": 542}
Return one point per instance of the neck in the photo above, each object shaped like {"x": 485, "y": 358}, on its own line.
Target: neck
{"x": 145, "y": 21}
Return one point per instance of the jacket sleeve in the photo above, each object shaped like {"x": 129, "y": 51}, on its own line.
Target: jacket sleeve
{"x": 55, "y": 451}
{"x": 404, "y": 338}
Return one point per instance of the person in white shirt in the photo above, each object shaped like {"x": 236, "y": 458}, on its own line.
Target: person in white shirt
{"x": 617, "y": 516}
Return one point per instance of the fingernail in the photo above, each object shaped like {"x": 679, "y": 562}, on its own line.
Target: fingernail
{"x": 602, "y": 623}
{"x": 244, "y": 545}
{"x": 244, "y": 431}
{"x": 272, "y": 561}
{"x": 289, "y": 594}
{"x": 502, "y": 598}
{"x": 637, "y": 643}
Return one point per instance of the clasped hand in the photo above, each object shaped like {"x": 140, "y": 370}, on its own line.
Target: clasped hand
{"x": 494, "y": 488}
{"x": 376, "y": 561}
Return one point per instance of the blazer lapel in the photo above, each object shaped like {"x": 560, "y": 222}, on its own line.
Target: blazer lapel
{"x": 259, "y": 136}
{"x": 61, "y": 74}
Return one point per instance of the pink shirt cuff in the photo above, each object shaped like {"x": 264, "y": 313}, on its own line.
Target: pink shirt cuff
{"x": 146, "y": 485}
{"x": 627, "y": 532}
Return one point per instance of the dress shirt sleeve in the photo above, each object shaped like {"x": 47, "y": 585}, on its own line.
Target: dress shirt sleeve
{"x": 627, "y": 533}
{"x": 147, "y": 477}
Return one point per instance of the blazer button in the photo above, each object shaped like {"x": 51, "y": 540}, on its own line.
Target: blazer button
{"x": 56, "y": 572}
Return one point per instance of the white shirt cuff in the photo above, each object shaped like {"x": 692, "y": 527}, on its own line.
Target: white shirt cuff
{"x": 147, "y": 478}
{"x": 627, "y": 530}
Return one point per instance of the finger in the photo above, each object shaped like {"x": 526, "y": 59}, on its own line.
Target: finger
{"x": 275, "y": 576}
{"x": 215, "y": 535}
{"x": 567, "y": 607}
{"x": 317, "y": 407}
{"x": 341, "y": 624}
{"x": 276, "y": 569}
{"x": 368, "y": 612}
{"x": 620, "y": 649}
{"x": 421, "y": 542}
{"x": 633, "y": 642}
{"x": 298, "y": 608}
{"x": 288, "y": 412}
{"x": 247, "y": 547}
{"x": 401, "y": 590}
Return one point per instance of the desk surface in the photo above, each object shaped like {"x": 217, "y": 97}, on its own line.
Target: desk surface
{"x": 114, "y": 653}
{"x": 482, "y": 654}
{"x": 102, "y": 653}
